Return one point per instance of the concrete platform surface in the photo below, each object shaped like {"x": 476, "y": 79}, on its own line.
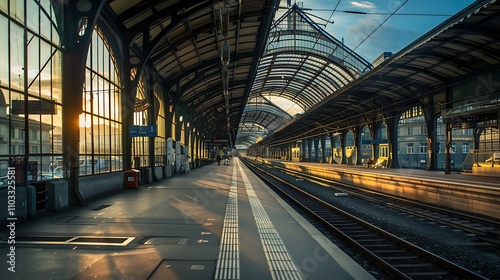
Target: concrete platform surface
{"x": 216, "y": 222}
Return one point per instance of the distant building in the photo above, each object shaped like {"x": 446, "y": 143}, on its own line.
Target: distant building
{"x": 381, "y": 58}
{"x": 12, "y": 128}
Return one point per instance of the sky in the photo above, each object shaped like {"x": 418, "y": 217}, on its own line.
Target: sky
{"x": 387, "y": 26}
{"x": 411, "y": 19}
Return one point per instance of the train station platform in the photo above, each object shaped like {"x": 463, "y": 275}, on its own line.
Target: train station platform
{"x": 216, "y": 222}
{"x": 463, "y": 191}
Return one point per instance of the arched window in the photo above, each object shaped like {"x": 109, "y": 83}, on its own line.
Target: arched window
{"x": 101, "y": 120}
{"x": 412, "y": 139}
{"x": 365, "y": 144}
{"x": 140, "y": 144}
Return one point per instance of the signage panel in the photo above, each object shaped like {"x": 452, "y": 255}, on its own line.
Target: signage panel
{"x": 143, "y": 131}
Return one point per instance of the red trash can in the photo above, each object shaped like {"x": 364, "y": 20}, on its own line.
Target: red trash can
{"x": 132, "y": 179}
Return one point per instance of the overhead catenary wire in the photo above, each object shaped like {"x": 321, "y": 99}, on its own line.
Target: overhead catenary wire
{"x": 380, "y": 25}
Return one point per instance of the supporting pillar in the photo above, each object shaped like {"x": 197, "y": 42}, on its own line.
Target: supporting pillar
{"x": 323, "y": 150}
{"x": 392, "y": 136}
{"x": 153, "y": 111}
{"x": 332, "y": 148}
{"x": 309, "y": 149}
{"x": 447, "y": 169}
{"x": 376, "y": 141}
{"x": 77, "y": 22}
{"x": 431, "y": 123}
{"x": 342, "y": 147}
{"x": 316, "y": 149}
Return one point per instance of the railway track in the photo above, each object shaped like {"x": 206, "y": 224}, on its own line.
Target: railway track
{"x": 486, "y": 229}
{"x": 397, "y": 257}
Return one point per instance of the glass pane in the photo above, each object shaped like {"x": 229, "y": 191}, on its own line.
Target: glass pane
{"x": 117, "y": 107}
{"x": 55, "y": 36}
{"x": 46, "y": 168}
{"x": 87, "y": 93}
{"x": 47, "y": 130}
{"x": 45, "y": 27}
{"x": 85, "y": 165}
{"x": 85, "y": 134}
{"x": 56, "y": 77}
{"x": 105, "y": 136}
{"x": 4, "y": 5}
{"x": 103, "y": 164}
{"x": 95, "y": 95}
{"x": 116, "y": 163}
{"x": 113, "y": 74}
{"x": 17, "y": 10}
{"x": 16, "y": 131}
{"x": 4, "y": 166}
{"x": 56, "y": 134}
{"x": 45, "y": 90}
{"x": 4, "y": 41}
{"x": 96, "y": 136}
{"x": 106, "y": 62}
{"x": 99, "y": 57}
{"x": 117, "y": 138}
{"x": 95, "y": 39}
{"x": 46, "y": 65}
{"x": 4, "y": 124}
{"x": 34, "y": 168}
{"x": 16, "y": 57}
{"x": 32, "y": 15}
{"x": 33, "y": 65}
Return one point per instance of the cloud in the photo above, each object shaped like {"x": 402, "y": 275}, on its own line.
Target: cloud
{"x": 364, "y": 5}
{"x": 386, "y": 38}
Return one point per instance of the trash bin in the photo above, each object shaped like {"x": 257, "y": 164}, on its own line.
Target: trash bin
{"x": 132, "y": 179}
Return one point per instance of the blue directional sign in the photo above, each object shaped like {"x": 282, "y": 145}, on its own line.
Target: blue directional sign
{"x": 143, "y": 131}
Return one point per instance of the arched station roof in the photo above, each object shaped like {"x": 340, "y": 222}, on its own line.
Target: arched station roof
{"x": 183, "y": 41}
{"x": 464, "y": 46}
{"x": 302, "y": 63}
{"x": 261, "y": 117}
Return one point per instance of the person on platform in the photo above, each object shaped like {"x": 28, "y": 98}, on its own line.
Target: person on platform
{"x": 219, "y": 156}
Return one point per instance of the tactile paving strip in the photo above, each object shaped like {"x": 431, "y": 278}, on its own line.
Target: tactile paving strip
{"x": 228, "y": 263}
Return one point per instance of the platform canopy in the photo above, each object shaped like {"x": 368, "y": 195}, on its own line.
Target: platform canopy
{"x": 301, "y": 63}
{"x": 260, "y": 117}
{"x": 464, "y": 46}
{"x": 204, "y": 53}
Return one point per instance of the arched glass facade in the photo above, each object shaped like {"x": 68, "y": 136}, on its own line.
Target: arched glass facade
{"x": 140, "y": 145}
{"x": 365, "y": 144}
{"x": 160, "y": 139}
{"x": 100, "y": 122}
{"x": 350, "y": 148}
{"x": 30, "y": 85}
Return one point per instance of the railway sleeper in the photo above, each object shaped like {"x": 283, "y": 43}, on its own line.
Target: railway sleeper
{"x": 413, "y": 265}
{"x": 369, "y": 240}
{"x": 356, "y": 236}
{"x": 363, "y": 231}
{"x": 395, "y": 251}
{"x": 378, "y": 245}
{"x": 427, "y": 274}
{"x": 399, "y": 257}
{"x": 348, "y": 227}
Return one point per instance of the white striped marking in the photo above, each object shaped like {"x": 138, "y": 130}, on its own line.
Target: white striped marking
{"x": 280, "y": 262}
{"x": 228, "y": 262}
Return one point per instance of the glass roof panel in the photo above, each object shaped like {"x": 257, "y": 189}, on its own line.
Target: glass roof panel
{"x": 302, "y": 64}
